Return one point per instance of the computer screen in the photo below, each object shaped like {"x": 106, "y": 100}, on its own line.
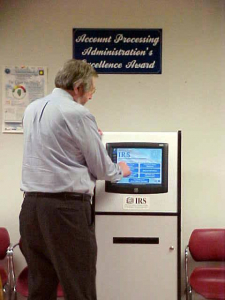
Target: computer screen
{"x": 148, "y": 163}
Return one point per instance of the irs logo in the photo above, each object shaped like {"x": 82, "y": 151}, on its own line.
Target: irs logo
{"x": 141, "y": 200}
{"x": 130, "y": 200}
{"x": 136, "y": 202}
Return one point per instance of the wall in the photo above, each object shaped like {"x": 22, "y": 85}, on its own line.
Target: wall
{"x": 187, "y": 96}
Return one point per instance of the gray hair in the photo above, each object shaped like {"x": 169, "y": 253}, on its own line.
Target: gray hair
{"x": 73, "y": 72}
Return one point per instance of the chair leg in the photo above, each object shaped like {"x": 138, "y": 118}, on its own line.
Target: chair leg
{"x": 7, "y": 292}
{"x": 189, "y": 293}
{"x": 14, "y": 295}
{"x": 7, "y": 295}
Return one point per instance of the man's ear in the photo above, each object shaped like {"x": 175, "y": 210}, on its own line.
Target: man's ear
{"x": 76, "y": 86}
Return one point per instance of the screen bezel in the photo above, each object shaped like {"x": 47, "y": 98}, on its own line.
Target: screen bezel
{"x": 124, "y": 188}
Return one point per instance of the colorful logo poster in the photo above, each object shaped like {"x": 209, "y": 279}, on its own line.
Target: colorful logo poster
{"x": 21, "y": 86}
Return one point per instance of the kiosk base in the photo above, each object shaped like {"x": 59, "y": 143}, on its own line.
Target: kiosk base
{"x": 143, "y": 264}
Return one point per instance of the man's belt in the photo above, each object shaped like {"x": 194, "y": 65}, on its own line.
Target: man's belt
{"x": 64, "y": 195}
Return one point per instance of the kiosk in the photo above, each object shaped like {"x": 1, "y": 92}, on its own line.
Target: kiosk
{"x": 138, "y": 219}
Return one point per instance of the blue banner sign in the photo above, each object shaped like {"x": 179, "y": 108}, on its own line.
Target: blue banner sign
{"x": 120, "y": 51}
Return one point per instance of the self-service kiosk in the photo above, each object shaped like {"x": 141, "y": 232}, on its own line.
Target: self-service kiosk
{"x": 138, "y": 219}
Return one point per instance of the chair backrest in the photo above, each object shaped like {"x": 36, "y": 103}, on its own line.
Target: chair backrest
{"x": 207, "y": 244}
{"x": 4, "y": 242}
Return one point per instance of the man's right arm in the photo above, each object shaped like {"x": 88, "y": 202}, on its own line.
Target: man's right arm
{"x": 95, "y": 154}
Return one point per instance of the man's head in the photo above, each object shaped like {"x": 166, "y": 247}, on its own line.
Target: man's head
{"x": 77, "y": 78}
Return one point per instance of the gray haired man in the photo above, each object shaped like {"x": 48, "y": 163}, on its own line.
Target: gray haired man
{"x": 63, "y": 158}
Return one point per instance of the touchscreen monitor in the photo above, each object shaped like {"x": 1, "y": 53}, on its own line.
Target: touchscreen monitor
{"x": 148, "y": 163}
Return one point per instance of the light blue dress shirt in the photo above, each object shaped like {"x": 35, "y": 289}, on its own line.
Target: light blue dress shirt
{"x": 63, "y": 151}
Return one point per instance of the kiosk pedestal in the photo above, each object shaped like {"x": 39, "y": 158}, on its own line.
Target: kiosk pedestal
{"x": 138, "y": 235}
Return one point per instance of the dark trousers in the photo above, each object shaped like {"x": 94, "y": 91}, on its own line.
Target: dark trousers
{"x": 59, "y": 244}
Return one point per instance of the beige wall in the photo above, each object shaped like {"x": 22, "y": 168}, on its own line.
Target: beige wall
{"x": 187, "y": 96}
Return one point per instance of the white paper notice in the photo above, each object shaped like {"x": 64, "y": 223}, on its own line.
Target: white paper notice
{"x": 21, "y": 86}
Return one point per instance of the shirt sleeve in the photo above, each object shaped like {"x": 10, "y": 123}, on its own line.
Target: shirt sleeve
{"x": 97, "y": 159}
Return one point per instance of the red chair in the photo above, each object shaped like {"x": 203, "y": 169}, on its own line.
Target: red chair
{"x": 4, "y": 245}
{"x": 21, "y": 282}
{"x": 208, "y": 279}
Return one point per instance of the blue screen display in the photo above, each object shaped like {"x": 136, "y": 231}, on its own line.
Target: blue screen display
{"x": 145, "y": 164}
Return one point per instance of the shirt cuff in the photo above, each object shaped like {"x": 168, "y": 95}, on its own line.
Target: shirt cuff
{"x": 120, "y": 173}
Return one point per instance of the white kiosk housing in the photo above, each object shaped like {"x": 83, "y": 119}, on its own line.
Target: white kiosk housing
{"x": 138, "y": 220}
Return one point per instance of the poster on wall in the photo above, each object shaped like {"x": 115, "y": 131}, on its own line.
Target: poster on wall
{"x": 120, "y": 51}
{"x": 21, "y": 86}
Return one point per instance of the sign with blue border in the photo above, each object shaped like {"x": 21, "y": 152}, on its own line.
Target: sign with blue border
{"x": 120, "y": 51}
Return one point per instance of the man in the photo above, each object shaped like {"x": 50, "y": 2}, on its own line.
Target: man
{"x": 63, "y": 158}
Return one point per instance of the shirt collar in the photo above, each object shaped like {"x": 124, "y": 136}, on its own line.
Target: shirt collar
{"x": 62, "y": 93}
